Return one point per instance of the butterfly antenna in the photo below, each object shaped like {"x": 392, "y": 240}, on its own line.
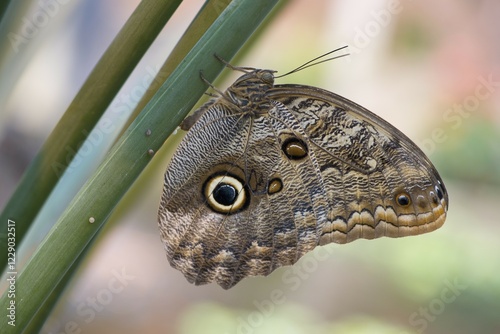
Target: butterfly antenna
{"x": 317, "y": 61}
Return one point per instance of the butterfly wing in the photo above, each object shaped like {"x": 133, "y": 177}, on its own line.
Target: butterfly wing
{"x": 247, "y": 192}
{"x": 377, "y": 181}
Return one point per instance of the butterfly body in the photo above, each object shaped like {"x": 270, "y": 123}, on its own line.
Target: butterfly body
{"x": 268, "y": 172}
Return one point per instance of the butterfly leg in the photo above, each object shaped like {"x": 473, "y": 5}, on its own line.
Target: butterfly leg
{"x": 211, "y": 86}
{"x": 234, "y": 68}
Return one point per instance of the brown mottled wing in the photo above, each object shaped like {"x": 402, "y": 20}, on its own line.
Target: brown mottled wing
{"x": 314, "y": 168}
{"x": 274, "y": 228}
{"x": 377, "y": 181}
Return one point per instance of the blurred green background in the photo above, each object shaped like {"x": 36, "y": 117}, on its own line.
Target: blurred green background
{"x": 431, "y": 69}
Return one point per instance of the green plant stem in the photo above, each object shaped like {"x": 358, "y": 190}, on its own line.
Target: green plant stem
{"x": 205, "y": 18}
{"x": 73, "y": 231}
{"x": 207, "y": 15}
{"x": 83, "y": 113}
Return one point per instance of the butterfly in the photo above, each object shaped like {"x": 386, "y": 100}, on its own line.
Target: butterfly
{"x": 268, "y": 172}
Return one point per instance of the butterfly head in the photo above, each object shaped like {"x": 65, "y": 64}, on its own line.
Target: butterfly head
{"x": 255, "y": 78}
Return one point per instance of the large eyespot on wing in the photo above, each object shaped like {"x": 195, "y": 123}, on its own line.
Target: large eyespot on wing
{"x": 225, "y": 193}
{"x": 378, "y": 182}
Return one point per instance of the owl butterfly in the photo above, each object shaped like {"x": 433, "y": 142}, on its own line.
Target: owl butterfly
{"x": 268, "y": 172}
